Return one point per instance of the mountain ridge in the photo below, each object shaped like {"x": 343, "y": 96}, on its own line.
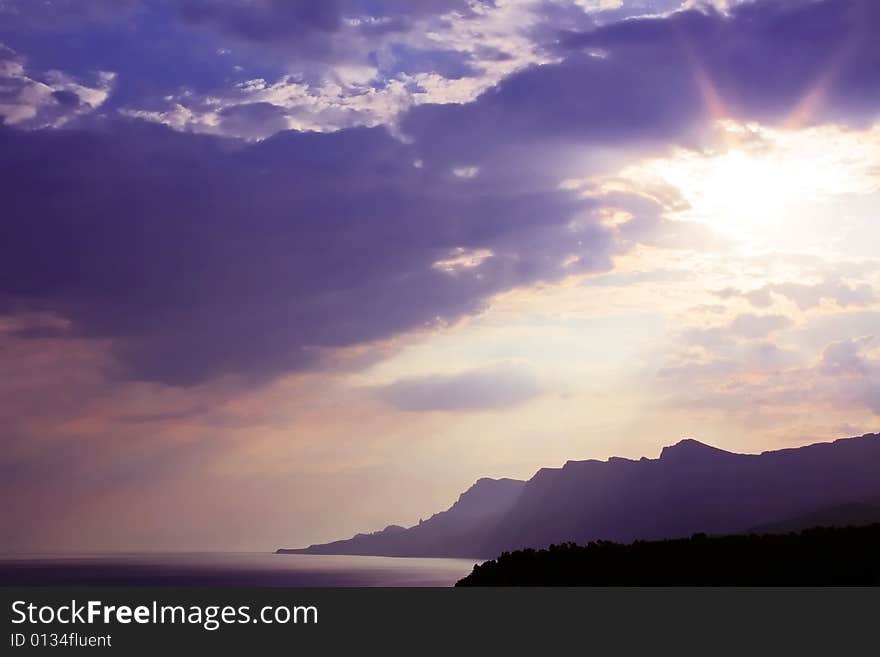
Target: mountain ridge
{"x": 691, "y": 487}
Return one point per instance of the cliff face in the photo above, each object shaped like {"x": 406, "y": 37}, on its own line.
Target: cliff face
{"x": 457, "y": 531}
{"x": 691, "y": 488}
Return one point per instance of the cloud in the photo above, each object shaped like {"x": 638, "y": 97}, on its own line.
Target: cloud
{"x": 724, "y": 355}
{"x": 489, "y": 389}
{"x": 44, "y": 17}
{"x": 727, "y": 361}
{"x": 759, "y": 297}
{"x": 843, "y": 379}
{"x": 265, "y": 20}
{"x": 199, "y": 257}
{"x": 698, "y": 371}
{"x": 49, "y": 99}
{"x": 770, "y": 61}
{"x": 846, "y": 358}
{"x": 742, "y": 327}
{"x": 807, "y": 295}
{"x": 301, "y": 21}
{"x": 363, "y": 64}
{"x": 664, "y": 79}
{"x": 328, "y": 66}
{"x": 850, "y": 369}
{"x": 758, "y": 326}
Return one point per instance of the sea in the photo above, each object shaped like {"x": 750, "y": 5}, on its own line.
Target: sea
{"x": 228, "y": 569}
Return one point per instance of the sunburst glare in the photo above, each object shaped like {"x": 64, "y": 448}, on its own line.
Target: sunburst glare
{"x": 758, "y": 183}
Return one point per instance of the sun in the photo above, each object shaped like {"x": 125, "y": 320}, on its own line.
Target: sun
{"x": 744, "y": 192}
{"x": 755, "y": 184}
{"x": 741, "y": 193}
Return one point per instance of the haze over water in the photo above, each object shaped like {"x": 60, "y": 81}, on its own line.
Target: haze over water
{"x": 227, "y": 569}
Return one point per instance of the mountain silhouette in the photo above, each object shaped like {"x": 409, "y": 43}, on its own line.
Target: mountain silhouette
{"x": 852, "y": 514}
{"x": 458, "y": 530}
{"x": 691, "y": 488}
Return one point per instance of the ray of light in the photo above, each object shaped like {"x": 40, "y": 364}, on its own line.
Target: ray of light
{"x": 816, "y": 94}
{"x": 711, "y": 98}
{"x": 861, "y": 30}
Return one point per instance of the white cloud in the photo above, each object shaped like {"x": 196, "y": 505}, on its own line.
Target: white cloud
{"x": 466, "y": 172}
{"x": 49, "y": 99}
{"x": 462, "y": 259}
{"x": 370, "y": 85}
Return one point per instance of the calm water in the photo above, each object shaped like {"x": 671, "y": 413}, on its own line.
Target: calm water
{"x": 227, "y": 569}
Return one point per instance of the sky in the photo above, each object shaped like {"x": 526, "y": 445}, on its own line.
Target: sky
{"x": 273, "y": 273}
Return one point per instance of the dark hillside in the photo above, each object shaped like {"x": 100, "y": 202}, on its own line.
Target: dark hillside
{"x": 848, "y": 556}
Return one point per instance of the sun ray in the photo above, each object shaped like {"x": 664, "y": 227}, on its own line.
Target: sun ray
{"x": 812, "y": 101}
{"x": 711, "y": 98}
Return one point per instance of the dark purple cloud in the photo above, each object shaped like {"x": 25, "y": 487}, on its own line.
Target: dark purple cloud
{"x": 61, "y": 14}
{"x": 660, "y": 80}
{"x": 764, "y": 58}
{"x": 200, "y": 257}
{"x": 304, "y": 25}
{"x": 253, "y": 119}
{"x": 266, "y": 19}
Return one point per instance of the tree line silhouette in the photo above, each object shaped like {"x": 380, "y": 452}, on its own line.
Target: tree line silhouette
{"x": 821, "y": 556}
